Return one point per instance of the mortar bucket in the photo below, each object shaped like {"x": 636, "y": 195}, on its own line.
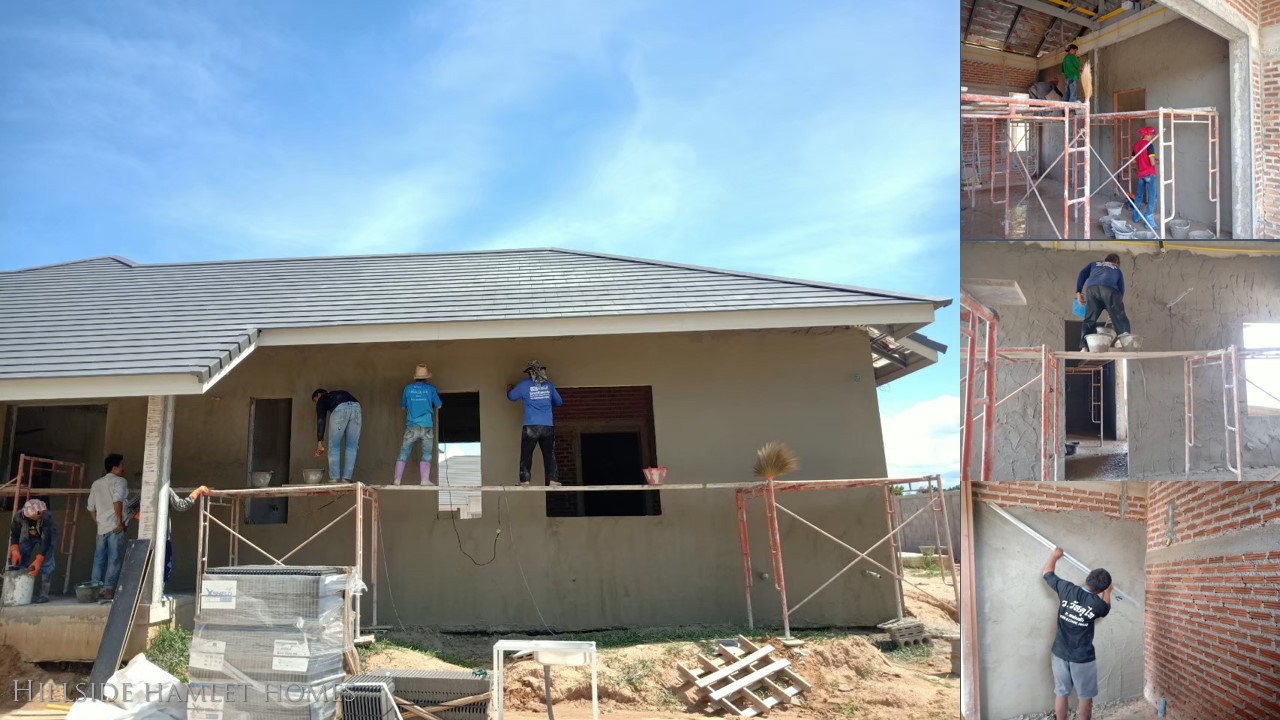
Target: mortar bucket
{"x": 1179, "y": 228}
{"x": 1143, "y": 235}
{"x": 259, "y": 479}
{"x": 1114, "y": 208}
{"x": 1098, "y": 342}
{"x": 655, "y": 475}
{"x": 87, "y": 592}
{"x": 1105, "y": 223}
{"x": 18, "y": 587}
{"x": 1200, "y": 235}
{"x": 1129, "y": 342}
{"x": 313, "y": 477}
{"x": 1122, "y": 229}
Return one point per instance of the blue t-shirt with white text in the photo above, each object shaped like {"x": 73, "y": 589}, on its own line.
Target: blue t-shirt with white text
{"x": 420, "y": 399}
{"x": 538, "y": 399}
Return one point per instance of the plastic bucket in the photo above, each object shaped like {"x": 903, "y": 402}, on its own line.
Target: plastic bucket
{"x": 1179, "y": 228}
{"x": 1114, "y": 208}
{"x": 312, "y": 477}
{"x": 655, "y": 475}
{"x": 1143, "y": 235}
{"x": 1105, "y": 223}
{"x": 87, "y": 592}
{"x": 1200, "y": 235}
{"x": 259, "y": 479}
{"x": 19, "y": 585}
{"x": 1098, "y": 342}
{"x": 1129, "y": 342}
{"x": 1122, "y": 229}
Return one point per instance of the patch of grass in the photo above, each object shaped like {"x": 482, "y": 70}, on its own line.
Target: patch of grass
{"x": 636, "y": 674}
{"x": 170, "y": 650}
{"x": 911, "y": 653}
{"x": 849, "y": 709}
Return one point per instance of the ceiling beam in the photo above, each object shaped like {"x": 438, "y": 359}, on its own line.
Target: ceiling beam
{"x": 1016, "y": 14}
{"x": 1045, "y": 37}
{"x": 1055, "y": 11}
{"x": 969, "y": 21}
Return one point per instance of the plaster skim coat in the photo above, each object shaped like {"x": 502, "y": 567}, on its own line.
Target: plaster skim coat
{"x": 717, "y": 397}
{"x": 1017, "y": 612}
{"x": 1226, "y": 293}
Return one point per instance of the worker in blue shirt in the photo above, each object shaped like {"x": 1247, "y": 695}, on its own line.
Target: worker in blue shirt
{"x": 539, "y": 396}
{"x": 420, "y": 401}
{"x": 1100, "y": 286}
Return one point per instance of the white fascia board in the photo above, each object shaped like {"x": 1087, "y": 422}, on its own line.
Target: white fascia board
{"x": 896, "y": 313}
{"x": 98, "y": 386}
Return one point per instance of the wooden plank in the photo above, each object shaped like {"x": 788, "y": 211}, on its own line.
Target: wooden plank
{"x": 120, "y": 618}
{"x": 735, "y": 667}
{"x": 749, "y": 680}
{"x": 796, "y": 679}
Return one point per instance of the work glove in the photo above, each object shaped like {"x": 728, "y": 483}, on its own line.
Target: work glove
{"x": 36, "y": 565}
{"x": 202, "y": 490}
{"x": 15, "y": 557}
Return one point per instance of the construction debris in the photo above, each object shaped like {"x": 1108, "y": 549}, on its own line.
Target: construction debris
{"x": 906, "y": 632}
{"x": 745, "y": 681}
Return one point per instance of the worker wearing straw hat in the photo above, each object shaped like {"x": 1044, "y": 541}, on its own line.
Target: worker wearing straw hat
{"x": 539, "y": 396}
{"x": 33, "y": 537}
{"x": 420, "y": 402}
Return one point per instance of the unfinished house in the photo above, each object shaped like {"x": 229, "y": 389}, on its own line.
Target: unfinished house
{"x": 1199, "y": 397}
{"x": 202, "y": 373}
{"x": 1204, "y": 74}
{"x": 1194, "y": 626}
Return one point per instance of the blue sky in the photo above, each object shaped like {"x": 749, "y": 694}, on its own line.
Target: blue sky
{"x": 813, "y": 140}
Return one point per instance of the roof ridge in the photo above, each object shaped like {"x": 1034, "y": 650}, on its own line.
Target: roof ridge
{"x": 945, "y": 301}
{"x": 122, "y": 260}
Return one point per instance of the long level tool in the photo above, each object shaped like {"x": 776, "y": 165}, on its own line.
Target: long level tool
{"x": 1045, "y": 541}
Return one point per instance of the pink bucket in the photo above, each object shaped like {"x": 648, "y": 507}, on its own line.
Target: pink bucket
{"x": 655, "y": 475}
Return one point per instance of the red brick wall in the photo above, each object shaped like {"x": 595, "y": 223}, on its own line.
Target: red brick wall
{"x": 1248, "y": 8}
{"x": 585, "y": 406}
{"x": 1205, "y": 510}
{"x": 1270, "y": 12}
{"x": 1058, "y": 497}
{"x": 977, "y": 72}
{"x": 1267, "y": 145}
{"x": 1211, "y": 622}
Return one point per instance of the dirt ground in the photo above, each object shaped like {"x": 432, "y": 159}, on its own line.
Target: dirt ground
{"x": 1138, "y": 709}
{"x": 851, "y": 676}
{"x": 45, "y": 682}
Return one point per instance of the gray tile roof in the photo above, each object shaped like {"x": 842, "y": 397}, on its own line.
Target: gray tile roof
{"x": 110, "y": 316}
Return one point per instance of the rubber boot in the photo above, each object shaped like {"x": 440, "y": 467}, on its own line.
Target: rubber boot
{"x": 424, "y": 472}
{"x": 45, "y": 582}
{"x": 1151, "y": 220}
{"x": 399, "y": 470}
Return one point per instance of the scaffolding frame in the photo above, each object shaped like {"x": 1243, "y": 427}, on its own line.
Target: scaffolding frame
{"x": 765, "y": 489}
{"x": 1122, "y": 125}
{"x": 996, "y": 112}
{"x": 768, "y": 491}
{"x": 28, "y": 466}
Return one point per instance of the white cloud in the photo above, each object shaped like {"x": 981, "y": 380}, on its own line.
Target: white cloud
{"x": 924, "y": 438}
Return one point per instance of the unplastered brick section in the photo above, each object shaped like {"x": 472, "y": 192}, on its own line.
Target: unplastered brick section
{"x": 1211, "y": 636}
{"x": 1011, "y": 78}
{"x": 1061, "y": 497}
{"x": 595, "y": 407}
{"x": 1204, "y": 510}
{"x": 1268, "y": 147}
{"x": 1270, "y": 12}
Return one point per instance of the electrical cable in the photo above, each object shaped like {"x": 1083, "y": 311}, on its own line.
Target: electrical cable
{"x": 453, "y": 516}
{"x": 503, "y": 509}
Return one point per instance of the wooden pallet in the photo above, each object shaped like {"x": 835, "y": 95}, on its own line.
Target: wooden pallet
{"x": 745, "y": 681}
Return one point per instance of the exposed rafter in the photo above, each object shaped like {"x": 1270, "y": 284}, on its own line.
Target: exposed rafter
{"x": 969, "y": 20}
{"x": 1016, "y": 14}
{"x": 1056, "y": 11}
{"x": 1044, "y": 38}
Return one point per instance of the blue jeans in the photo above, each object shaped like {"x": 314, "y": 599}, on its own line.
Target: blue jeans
{"x": 1146, "y": 188}
{"x": 344, "y": 434}
{"x": 28, "y": 549}
{"x": 108, "y": 553}
{"x": 413, "y": 435}
{"x": 1072, "y": 90}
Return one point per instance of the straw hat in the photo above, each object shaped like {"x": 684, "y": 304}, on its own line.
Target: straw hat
{"x": 534, "y": 365}
{"x": 421, "y": 373}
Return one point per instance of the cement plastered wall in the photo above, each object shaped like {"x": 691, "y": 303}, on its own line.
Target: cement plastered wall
{"x": 716, "y": 399}
{"x": 1226, "y": 292}
{"x": 1017, "y": 612}
{"x": 1179, "y": 65}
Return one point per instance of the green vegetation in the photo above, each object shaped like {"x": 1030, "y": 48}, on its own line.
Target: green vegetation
{"x": 170, "y": 650}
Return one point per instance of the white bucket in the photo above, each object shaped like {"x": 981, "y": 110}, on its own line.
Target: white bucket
{"x": 1103, "y": 330}
{"x": 313, "y": 477}
{"x": 1098, "y": 342}
{"x": 260, "y": 479}
{"x": 19, "y": 585}
{"x": 1200, "y": 235}
{"x": 1114, "y": 208}
{"x": 1122, "y": 229}
{"x": 1143, "y": 235}
{"x": 1179, "y": 228}
{"x": 1131, "y": 343}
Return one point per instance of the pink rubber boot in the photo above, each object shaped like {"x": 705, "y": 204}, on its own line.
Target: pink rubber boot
{"x": 424, "y": 472}
{"x": 399, "y": 470}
